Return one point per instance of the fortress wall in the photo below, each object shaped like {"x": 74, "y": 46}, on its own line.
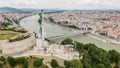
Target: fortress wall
{"x": 18, "y": 46}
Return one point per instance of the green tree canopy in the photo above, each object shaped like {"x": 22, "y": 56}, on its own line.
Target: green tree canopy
{"x": 2, "y": 58}
{"x": 54, "y": 63}
{"x": 11, "y": 61}
{"x": 67, "y": 41}
{"x": 38, "y": 62}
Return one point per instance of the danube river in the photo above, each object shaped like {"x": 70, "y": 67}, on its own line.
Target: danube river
{"x": 31, "y": 24}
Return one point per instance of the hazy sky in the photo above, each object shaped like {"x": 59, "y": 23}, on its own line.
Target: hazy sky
{"x": 66, "y": 4}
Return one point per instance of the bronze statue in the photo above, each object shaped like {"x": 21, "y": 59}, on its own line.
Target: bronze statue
{"x": 40, "y": 21}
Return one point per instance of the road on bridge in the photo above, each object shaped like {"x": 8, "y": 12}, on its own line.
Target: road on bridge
{"x": 68, "y": 35}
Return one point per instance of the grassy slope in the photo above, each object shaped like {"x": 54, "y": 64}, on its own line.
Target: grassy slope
{"x": 6, "y": 36}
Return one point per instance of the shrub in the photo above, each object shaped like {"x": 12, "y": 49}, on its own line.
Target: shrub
{"x": 2, "y": 58}
{"x": 67, "y": 41}
{"x": 67, "y": 64}
{"x": 38, "y": 62}
{"x": 13, "y": 29}
{"x": 1, "y": 66}
{"x": 11, "y": 61}
{"x": 25, "y": 65}
{"x": 21, "y": 31}
{"x": 54, "y": 63}
{"x": 19, "y": 38}
{"x": 76, "y": 64}
{"x": 20, "y": 60}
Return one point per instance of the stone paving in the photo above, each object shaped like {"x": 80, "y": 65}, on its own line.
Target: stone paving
{"x": 60, "y": 51}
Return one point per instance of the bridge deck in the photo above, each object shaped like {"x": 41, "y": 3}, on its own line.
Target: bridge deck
{"x": 66, "y": 35}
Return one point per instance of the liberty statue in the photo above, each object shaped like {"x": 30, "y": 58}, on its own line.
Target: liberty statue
{"x": 40, "y": 21}
{"x": 41, "y": 30}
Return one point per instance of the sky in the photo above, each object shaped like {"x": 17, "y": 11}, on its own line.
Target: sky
{"x": 63, "y": 4}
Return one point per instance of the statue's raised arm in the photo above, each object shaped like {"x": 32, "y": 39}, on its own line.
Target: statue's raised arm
{"x": 40, "y": 19}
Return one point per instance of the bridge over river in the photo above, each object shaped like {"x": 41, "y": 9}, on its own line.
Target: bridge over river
{"x": 68, "y": 35}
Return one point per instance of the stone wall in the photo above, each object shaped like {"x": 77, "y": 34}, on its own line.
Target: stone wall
{"x": 19, "y": 46}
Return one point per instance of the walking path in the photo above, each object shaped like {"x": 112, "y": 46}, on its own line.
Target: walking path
{"x": 104, "y": 39}
{"x": 60, "y": 51}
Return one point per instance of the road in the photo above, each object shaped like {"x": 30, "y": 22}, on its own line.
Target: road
{"x": 67, "y": 35}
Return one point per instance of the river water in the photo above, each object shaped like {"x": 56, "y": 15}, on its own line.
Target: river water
{"x": 31, "y": 24}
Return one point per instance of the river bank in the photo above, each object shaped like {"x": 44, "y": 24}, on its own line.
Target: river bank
{"x": 104, "y": 39}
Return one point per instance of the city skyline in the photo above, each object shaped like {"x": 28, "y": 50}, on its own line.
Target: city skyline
{"x": 62, "y": 4}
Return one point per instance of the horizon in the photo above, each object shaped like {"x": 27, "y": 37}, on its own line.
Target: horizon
{"x": 56, "y": 4}
{"x": 55, "y": 8}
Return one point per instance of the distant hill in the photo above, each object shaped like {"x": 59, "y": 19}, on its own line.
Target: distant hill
{"x": 15, "y": 10}
{"x": 26, "y": 10}
{"x": 30, "y": 9}
{"x": 8, "y": 8}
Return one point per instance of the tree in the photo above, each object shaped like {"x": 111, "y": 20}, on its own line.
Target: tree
{"x": 25, "y": 65}
{"x": 11, "y": 61}
{"x": 79, "y": 46}
{"x": 76, "y": 64}
{"x": 101, "y": 66}
{"x": 113, "y": 56}
{"x": 20, "y": 60}
{"x": 1, "y": 66}
{"x": 86, "y": 61}
{"x": 2, "y": 58}
{"x": 67, "y": 41}
{"x": 67, "y": 64}
{"x": 73, "y": 64}
{"x": 38, "y": 62}
{"x": 54, "y": 63}
{"x": 93, "y": 57}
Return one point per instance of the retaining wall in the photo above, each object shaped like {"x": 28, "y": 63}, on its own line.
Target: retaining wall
{"x": 18, "y": 46}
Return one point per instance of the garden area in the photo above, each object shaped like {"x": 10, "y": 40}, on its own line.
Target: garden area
{"x": 35, "y": 62}
{"x": 13, "y": 29}
{"x": 18, "y": 38}
{"x": 8, "y": 33}
{"x": 21, "y": 62}
{"x": 6, "y": 36}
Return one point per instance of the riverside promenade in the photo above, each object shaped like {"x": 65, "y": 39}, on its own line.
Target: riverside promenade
{"x": 104, "y": 39}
